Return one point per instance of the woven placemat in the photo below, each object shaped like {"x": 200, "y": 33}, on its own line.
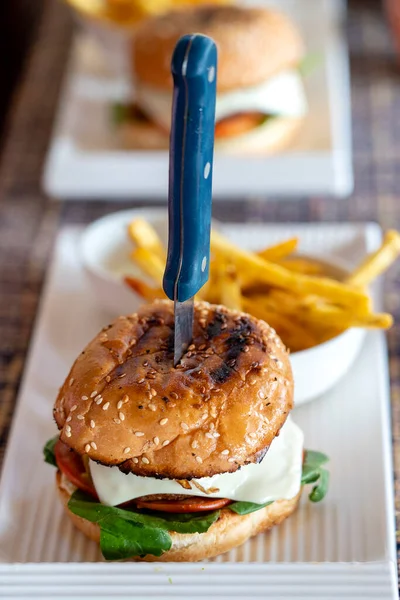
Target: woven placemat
{"x": 29, "y": 221}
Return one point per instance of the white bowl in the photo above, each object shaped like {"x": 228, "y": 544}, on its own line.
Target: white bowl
{"x": 105, "y": 250}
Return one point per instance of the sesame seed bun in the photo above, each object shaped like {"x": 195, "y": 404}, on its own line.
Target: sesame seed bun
{"x": 124, "y": 403}
{"x": 253, "y": 44}
{"x": 269, "y": 138}
{"x": 229, "y": 531}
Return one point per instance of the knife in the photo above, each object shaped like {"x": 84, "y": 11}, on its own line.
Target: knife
{"x": 194, "y": 71}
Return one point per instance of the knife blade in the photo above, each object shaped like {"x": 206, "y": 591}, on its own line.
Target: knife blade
{"x": 194, "y": 71}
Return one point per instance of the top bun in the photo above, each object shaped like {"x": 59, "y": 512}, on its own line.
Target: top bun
{"x": 124, "y": 403}
{"x": 253, "y": 44}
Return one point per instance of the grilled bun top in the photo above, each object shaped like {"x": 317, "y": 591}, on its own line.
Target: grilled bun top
{"x": 253, "y": 44}
{"x": 124, "y": 403}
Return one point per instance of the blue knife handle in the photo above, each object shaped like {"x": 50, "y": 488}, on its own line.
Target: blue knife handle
{"x": 194, "y": 71}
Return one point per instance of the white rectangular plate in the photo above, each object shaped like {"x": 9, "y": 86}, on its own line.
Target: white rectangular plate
{"x": 85, "y": 160}
{"x": 341, "y": 548}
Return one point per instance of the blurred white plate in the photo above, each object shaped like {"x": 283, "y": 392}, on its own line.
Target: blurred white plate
{"x": 342, "y": 548}
{"x": 85, "y": 161}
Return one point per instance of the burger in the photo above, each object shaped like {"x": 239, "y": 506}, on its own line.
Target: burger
{"x": 261, "y": 101}
{"x": 180, "y": 463}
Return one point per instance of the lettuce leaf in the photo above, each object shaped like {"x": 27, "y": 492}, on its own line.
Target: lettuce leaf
{"x": 48, "y": 451}
{"x": 126, "y": 532}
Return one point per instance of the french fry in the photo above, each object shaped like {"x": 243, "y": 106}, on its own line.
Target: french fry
{"x": 143, "y": 235}
{"x": 301, "y": 265}
{"x": 143, "y": 289}
{"x": 279, "y": 251}
{"x": 149, "y": 263}
{"x": 295, "y": 335}
{"x": 377, "y": 262}
{"x": 278, "y": 276}
{"x": 231, "y": 294}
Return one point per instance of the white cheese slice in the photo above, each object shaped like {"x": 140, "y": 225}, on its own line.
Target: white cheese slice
{"x": 278, "y": 476}
{"x": 282, "y": 95}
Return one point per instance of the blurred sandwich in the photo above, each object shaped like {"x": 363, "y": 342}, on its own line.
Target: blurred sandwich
{"x": 261, "y": 101}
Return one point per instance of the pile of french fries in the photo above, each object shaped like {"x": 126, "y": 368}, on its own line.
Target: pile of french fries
{"x": 294, "y": 294}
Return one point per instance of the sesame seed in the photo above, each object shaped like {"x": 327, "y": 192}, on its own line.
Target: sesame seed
{"x": 68, "y": 419}
{"x": 152, "y": 407}
{"x": 174, "y": 395}
{"x": 84, "y": 398}
{"x": 199, "y": 459}
{"x": 191, "y": 347}
{"x": 252, "y": 434}
{"x": 80, "y": 417}
{"x": 93, "y": 394}
{"x": 139, "y": 433}
{"x": 119, "y": 405}
{"x": 68, "y": 433}
{"x": 156, "y": 440}
{"x": 121, "y": 416}
{"x": 146, "y": 363}
{"x": 153, "y": 392}
{"x": 209, "y": 435}
{"x": 141, "y": 380}
{"x": 145, "y": 460}
{"x": 92, "y": 424}
{"x": 194, "y": 444}
{"x": 68, "y": 428}
{"x": 189, "y": 354}
{"x": 127, "y": 450}
{"x": 117, "y": 421}
{"x": 87, "y": 448}
{"x": 98, "y": 397}
{"x": 106, "y": 405}
{"x": 216, "y": 435}
{"x": 231, "y": 460}
{"x": 135, "y": 460}
{"x": 202, "y": 347}
{"x": 246, "y": 349}
{"x": 121, "y": 376}
{"x": 149, "y": 395}
{"x": 94, "y": 445}
{"x": 261, "y": 394}
{"x": 164, "y": 421}
{"x": 71, "y": 381}
{"x": 125, "y": 398}
{"x": 151, "y": 376}
{"x": 184, "y": 426}
{"x": 225, "y": 452}
{"x": 74, "y": 407}
{"x": 108, "y": 379}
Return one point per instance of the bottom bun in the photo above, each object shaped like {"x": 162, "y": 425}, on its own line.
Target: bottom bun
{"x": 231, "y": 530}
{"x": 275, "y": 135}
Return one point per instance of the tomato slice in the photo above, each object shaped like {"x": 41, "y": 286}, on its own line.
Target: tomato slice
{"x": 190, "y": 504}
{"x": 238, "y": 124}
{"x": 71, "y": 464}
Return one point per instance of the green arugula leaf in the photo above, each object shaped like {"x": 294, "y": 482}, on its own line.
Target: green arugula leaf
{"x": 314, "y": 459}
{"x": 120, "y": 113}
{"x": 48, "y": 451}
{"x": 245, "y": 508}
{"x": 310, "y": 63}
{"x": 126, "y": 533}
{"x": 319, "y": 491}
{"x": 121, "y": 539}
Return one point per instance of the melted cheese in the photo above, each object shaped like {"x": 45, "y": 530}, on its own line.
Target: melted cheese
{"x": 281, "y": 95}
{"x": 277, "y": 477}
